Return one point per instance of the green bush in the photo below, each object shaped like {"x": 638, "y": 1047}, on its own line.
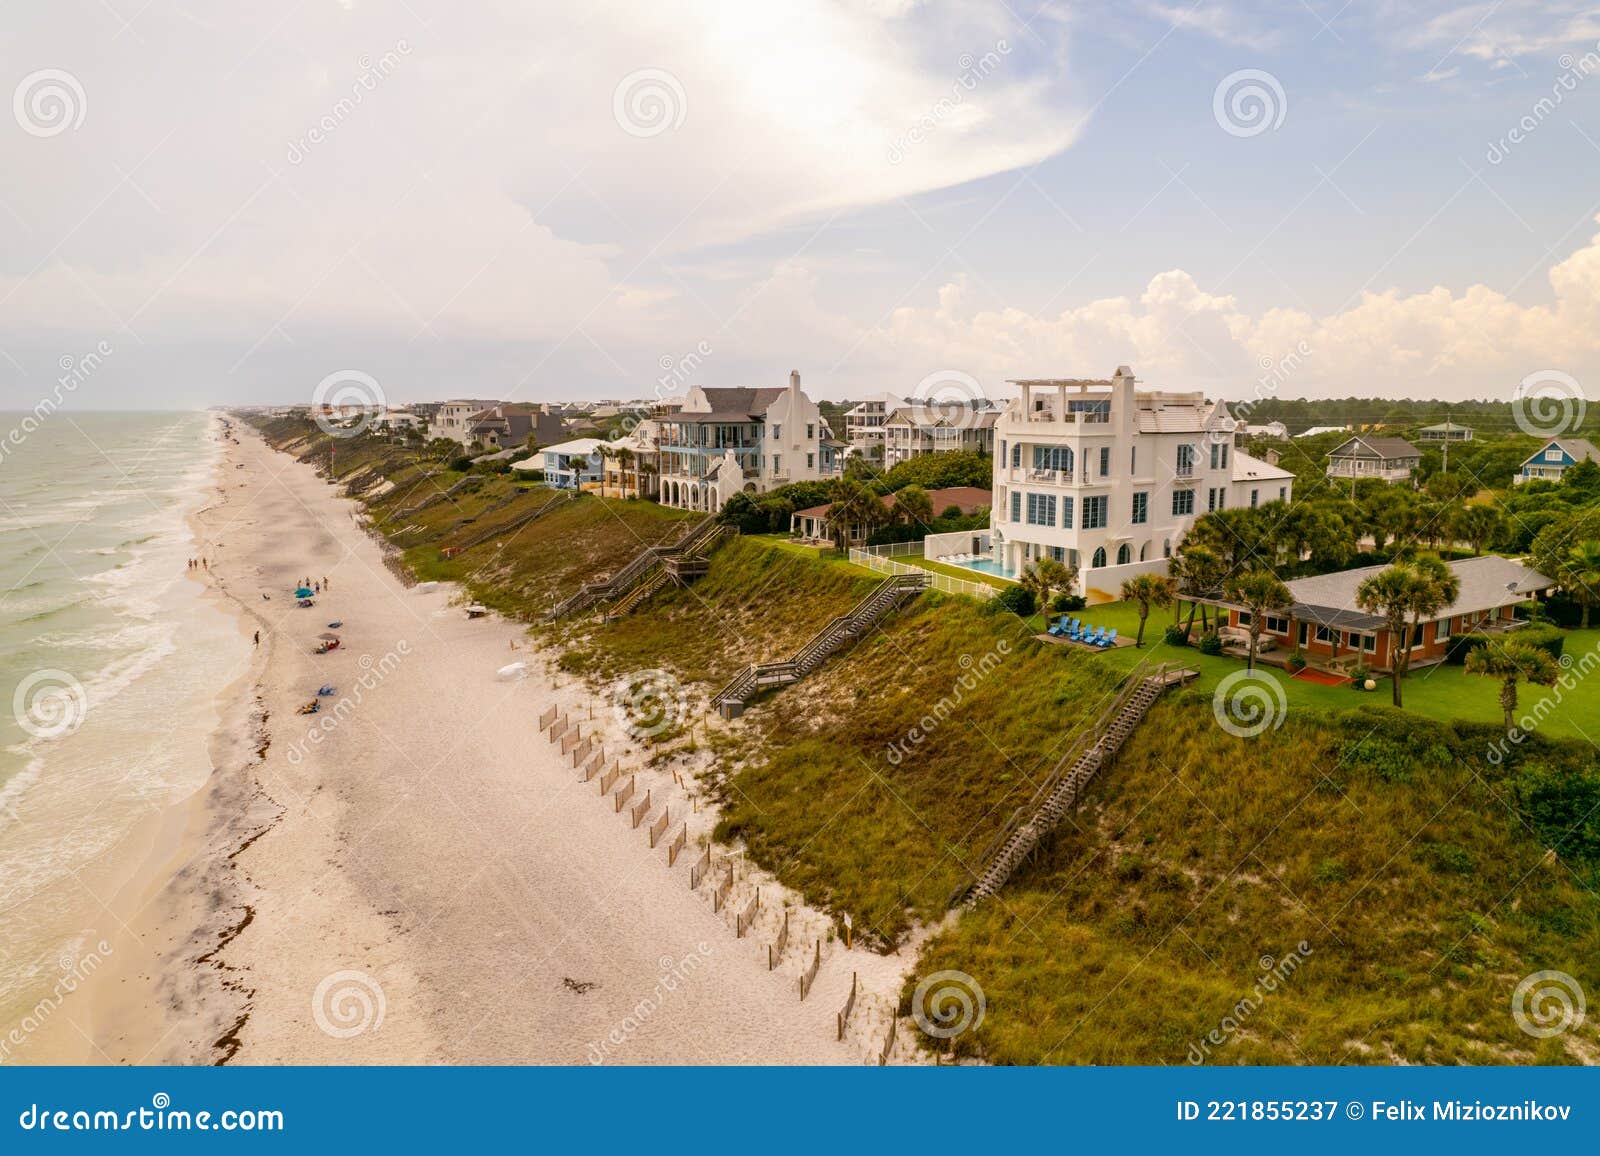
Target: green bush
{"x": 1063, "y": 602}
{"x": 1296, "y": 661}
{"x": 1211, "y": 644}
{"x": 1177, "y": 635}
{"x": 1018, "y": 600}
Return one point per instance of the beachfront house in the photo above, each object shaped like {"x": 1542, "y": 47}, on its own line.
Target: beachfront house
{"x": 916, "y": 429}
{"x": 632, "y": 464}
{"x": 1366, "y": 456}
{"x": 724, "y": 441}
{"x": 453, "y": 419}
{"x": 1105, "y": 477}
{"x": 816, "y": 523}
{"x": 512, "y": 425}
{"x": 573, "y": 465}
{"x": 1555, "y": 458}
{"x": 1445, "y": 431}
{"x": 864, "y": 421}
{"x": 1327, "y": 627}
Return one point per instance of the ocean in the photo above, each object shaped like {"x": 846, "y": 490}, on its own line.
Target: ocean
{"x": 111, "y": 660}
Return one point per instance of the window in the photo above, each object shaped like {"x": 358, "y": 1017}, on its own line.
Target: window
{"x": 1182, "y": 502}
{"x": 1369, "y": 643}
{"x": 1211, "y": 499}
{"x": 1283, "y": 493}
{"x": 1002, "y": 449}
{"x": 1141, "y": 508}
{"x": 1016, "y": 505}
{"x": 1066, "y": 513}
{"x": 811, "y": 431}
{"x": 1324, "y": 634}
{"x": 1553, "y": 455}
{"x": 777, "y": 460}
{"x": 777, "y": 431}
{"x": 1242, "y": 618}
{"x": 1041, "y": 509}
{"x": 1185, "y": 461}
{"x": 1255, "y": 498}
{"x": 1124, "y": 554}
{"x": 1219, "y": 455}
{"x": 1105, "y": 460}
{"x": 1052, "y": 458}
{"x": 1094, "y": 512}
{"x": 1016, "y": 455}
{"x": 1277, "y": 625}
{"x": 1099, "y": 559}
{"x": 811, "y": 461}
{"x": 1166, "y": 547}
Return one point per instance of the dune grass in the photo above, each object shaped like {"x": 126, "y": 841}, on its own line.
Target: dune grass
{"x": 1387, "y": 847}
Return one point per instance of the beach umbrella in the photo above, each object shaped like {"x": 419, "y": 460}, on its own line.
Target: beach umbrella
{"x": 304, "y": 592}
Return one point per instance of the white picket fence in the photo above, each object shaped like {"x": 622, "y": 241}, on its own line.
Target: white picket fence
{"x": 881, "y": 559}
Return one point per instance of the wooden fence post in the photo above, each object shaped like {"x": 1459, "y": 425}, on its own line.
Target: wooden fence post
{"x": 849, "y": 1006}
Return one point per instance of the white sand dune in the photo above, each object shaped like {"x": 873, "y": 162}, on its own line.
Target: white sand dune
{"x": 415, "y": 875}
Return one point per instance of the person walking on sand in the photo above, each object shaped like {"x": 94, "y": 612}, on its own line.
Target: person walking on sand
{"x": 324, "y": 581}
{"x": 258, "y": 638}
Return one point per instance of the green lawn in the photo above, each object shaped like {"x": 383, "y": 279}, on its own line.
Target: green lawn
{"x": 784, "y": 542}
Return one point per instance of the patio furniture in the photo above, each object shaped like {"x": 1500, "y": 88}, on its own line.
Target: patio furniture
{"x": 1059, "y": 628}
{"x": 1077, "y": 631}
{"x": 1109, "y": 640}
{"x": 1096, "y": 637}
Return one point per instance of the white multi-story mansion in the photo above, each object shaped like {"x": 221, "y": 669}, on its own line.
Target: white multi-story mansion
{"x": 722, "y": 441}
{"x": 1100, "y": 475}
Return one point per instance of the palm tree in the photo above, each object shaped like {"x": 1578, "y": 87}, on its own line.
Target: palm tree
{"x": 1478, "y": 524}
{"x": 913, "y": 506}
{"x": 1043, "y": 577}
{"x": 1148, "y": 590}
{"x": 1509, "y": 661}
{"x": 1405, "y": 595}
{"x": 1199, "y": 572}
{"x": 1259, "y": 592}
{"x": 855, "y": 506}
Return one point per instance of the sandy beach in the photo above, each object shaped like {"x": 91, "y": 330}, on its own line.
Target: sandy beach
{"x": 415, "y": 875}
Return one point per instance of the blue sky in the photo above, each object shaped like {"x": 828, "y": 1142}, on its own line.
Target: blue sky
{"x": 459, "y": 198}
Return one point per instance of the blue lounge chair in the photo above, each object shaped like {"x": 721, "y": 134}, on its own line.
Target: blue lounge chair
{"x": 1073, "y": 625}
{"x": 1099, "y": 637}
{"x": 1058, "y": 628}
{"x": 1076, "y": 633}
{"x": 1110, "y": 639}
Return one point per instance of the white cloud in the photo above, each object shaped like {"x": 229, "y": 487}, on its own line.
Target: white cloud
{"x": 1476, "y": 342}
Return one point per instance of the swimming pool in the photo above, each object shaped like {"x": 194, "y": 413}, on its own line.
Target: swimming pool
{"x": 987, "y": 566}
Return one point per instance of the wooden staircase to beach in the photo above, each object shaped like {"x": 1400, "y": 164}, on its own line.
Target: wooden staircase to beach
{"x": 891, "y": 592}
{"x": 1094, "y": 749}
{"x": 644, "y": 566}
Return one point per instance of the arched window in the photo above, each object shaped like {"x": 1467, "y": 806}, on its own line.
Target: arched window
{"x": 1124, "y": 554}
{"x": 1099, "y": 559}
{"x": 1166, "y": 547}
{"x": 1144, "y": 552}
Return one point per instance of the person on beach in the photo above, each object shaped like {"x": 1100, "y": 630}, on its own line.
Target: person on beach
{"x": 324, "y": 581}
{"x": 258, "y": 638}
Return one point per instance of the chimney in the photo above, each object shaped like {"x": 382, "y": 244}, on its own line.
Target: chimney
{"x": 1272, "y": 457}
{"x": 794, "y": 379}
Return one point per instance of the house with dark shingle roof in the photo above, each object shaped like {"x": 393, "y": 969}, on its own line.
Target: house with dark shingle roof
{"x": 1326, "y": 626}
{"x": 1555, "y": 458}
{"x": 1366, "y": 456}
{"x": 723, "y": 441}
